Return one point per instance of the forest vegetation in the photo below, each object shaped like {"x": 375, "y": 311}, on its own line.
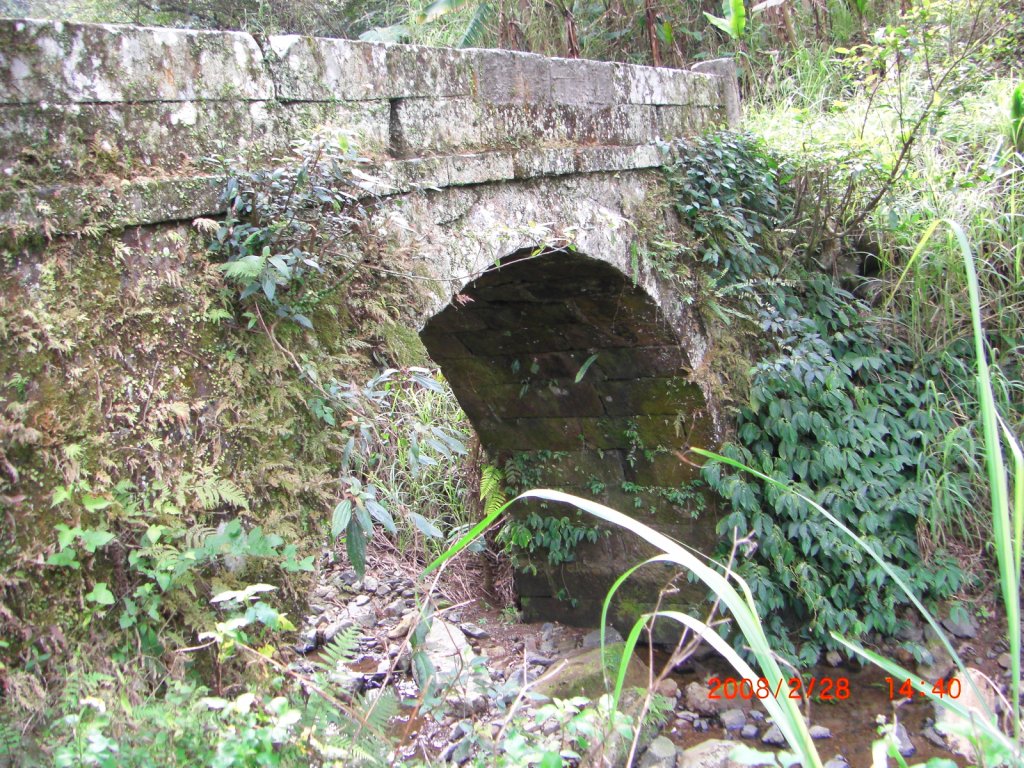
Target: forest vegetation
{"x": 872, "y": 200}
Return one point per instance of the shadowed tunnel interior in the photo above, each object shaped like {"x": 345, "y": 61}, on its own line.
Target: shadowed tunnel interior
{"x": 512, "y": 346}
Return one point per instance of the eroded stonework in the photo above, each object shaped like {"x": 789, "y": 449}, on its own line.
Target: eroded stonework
{"x": 515, "y": 185}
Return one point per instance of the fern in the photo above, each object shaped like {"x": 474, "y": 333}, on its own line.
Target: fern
{"x": 376, "y": 708}
{"x": 490, "y": 489}
{"x": 341, "y": 650}
{"x": 216, "y": 491}
{"x": 10, "y": 740}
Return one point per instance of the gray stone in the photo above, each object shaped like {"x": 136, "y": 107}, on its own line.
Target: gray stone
{"x": 660, "y": 754}
{"x": 593, "y": 638}
{"x": 733, "y": 719}
{"x": 362, "y": 614}
{"x": 837, "y": 762}
{"x": 903, "y": 743}
{"x": 307, "y": 641}
{"x": 701, "y": 725}
{"x": 668, "y": 688}
{"x": 333, "y": 629}
{"x": 820, "y": 732}
{"x": 931, "y": 736}
{"x": 964, "y": 626}
{"x": 1004, "y": 660}
{"x": 697, "y": 698}
{"x": 773, "y": 737}
{"x": 370, "y": 584}
{"x": 360, "y": 600}
{"x": 713, "y": 753}
{"x": 749, "y": 731}
{"x": 452, "y": 658}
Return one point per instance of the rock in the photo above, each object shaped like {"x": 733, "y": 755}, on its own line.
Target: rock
{"x": 584, "y": 674}
{"x": 1004, "y": 660}
{"x": 937, "y": 661}
{"x": 363, "y": 614}
{"x": 773, "y": 737}
{"x": 475, "y": 631}
{"x": 395, "y": 608}
{"x": 708, "y": 754}
{"x": 820, "y": 732}
{"x": 307, "y": 641}
{"x": 733, "y": 719}
{"x": 903, "y": 743}
{"x": 540, "y": 661}
{"x": 662, "y": 753}
{"x": 757, "y": 715}
{"x": 593, "y": 638}
{"x": 947, "y": 722}
{"x": 749, "y": 731}
{"x": 834, "y": 658}
{"x": 359, "y": 600}
{"x": 401, "y": 629}
{"x": 701, "y": 725}
{"x": 963, "y": 626}
{"x": 931, "y": 736}
{"x": 335, "y": 628}
{"x": 837, "y": 762}
{"x": 452, "y": 658}
{"x": 668, "y": 688}
{"x": 697, "y": 699}
{"x": 370, "y": 584}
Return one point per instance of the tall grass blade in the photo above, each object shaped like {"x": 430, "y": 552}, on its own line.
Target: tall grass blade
{"x": 738, "y": 599}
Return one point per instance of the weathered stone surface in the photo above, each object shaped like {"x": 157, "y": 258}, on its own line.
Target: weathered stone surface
{"x": 323, "y": 69}
{"x": 58, "y": 63}
{"x": 591, "y": 674}
{"x": 452, "y": 657}
{"x": 954, "y": 728}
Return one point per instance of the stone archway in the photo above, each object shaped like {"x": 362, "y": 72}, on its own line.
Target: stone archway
{"x": 513, "y": 345}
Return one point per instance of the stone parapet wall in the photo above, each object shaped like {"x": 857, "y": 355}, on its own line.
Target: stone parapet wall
{"x": 90, "y": 114}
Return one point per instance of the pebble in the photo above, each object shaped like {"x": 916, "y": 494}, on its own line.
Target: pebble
{"x": 307, "y": 641}
{"x": 834, "y": 658}
{"x": 1004, "y": 660}
{"x": 757, "y": 716}
{"x": 335, "y": 628}
{"x": 965, "y": 629}
{"x": 931, "y": 735}
{"x": 773, "y": 737}
{"x": 733, "y": 719}
{"x": 370, "y": 584}
{"x": 837, "y": 762}
{"x": 749, "y": 731}
{"x": 903, "y": 743}
{"x": 360, "y": 600}
{"x": 700, "y": 725}
{"x": 668, "y": 688}
{"x": 593, "y": 638}
{"x": 660, "y": 754}
{"x": 475, "y": 631}
{"x": 820, "y": 732}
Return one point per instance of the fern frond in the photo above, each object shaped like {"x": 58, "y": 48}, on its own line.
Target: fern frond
{"x": 341, "y": 650}
{"x": 490, "y": 481}
{"x": 217, "y": 491}
{"x": 377, "y": 708}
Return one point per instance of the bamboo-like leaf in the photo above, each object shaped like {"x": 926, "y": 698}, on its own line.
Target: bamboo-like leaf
{"x": 585, "y": 367}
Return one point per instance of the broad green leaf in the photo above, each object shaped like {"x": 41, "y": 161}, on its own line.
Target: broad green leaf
{"x": 93, "y": 540}
{"x": 95, "y": 503}
{"x": 585, "y": 367}
{"x": 340, "y": 518}
{"x": 425, "y": 527}
{"x": 65, "y": 559}
{"x": 100, "y": 594}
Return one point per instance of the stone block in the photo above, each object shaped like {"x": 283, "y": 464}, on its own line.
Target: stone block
{"x": 480, "y": 168}
{"x": 509, "y": 77}
{"x": 416, "y": 71}
{"x": 638, "y": 362}
{"x": 664, "y": 470}
{"x": 67, "y": 209}
{"x": 544, "y": 400}
{"x": 544, "y": 162}
{"x": 575, "y": 469}
{"x": 322, "y": 69}
{"x": 654, "y": 85}
{"x": 60, "y": 63}
{"x": 593, "y": 159}
{"x": 575, "y": 81}
{"x": 650, "y": 396}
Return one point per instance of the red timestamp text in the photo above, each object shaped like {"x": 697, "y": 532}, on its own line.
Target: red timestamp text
{"x": 907, "y": 690}
{"x": 824, "y": 688}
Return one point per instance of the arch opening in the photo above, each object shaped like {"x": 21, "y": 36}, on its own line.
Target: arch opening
{"x": 571, "y": 372}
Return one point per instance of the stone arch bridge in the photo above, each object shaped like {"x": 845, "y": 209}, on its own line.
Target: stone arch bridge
{"x": 518, "y": 182}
